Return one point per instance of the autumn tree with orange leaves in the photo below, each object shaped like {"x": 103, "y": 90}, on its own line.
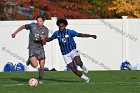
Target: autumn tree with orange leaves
{"x": 130, "y": 8}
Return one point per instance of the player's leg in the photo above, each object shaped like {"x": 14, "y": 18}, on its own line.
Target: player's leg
{"x": 71, "y": 65}
{"x": 41, "y": 70}
{"x": 76, "y": 57}
{"x": 77, "y": 72}
{"x": 74, "y": 69}
{"x": 33, "y": 61}
{"x": 78, "y": 61}
{"x": 41, "y": 58}
{"x": 32, "y": 58}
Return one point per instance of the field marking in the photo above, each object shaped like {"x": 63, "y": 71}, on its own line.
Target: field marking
{"x": 116, "y": 82}
{"x": 15, "y": 84}
{"x": 90, "y": 83}
{"x": 101, "y": 83}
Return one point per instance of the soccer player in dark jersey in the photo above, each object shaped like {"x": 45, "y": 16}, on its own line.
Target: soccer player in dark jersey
{"x": 68, "y": 47}
{"x": 36, "y": 48}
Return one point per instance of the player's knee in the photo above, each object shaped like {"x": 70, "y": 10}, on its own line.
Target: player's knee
{"x": 80, "y": 63}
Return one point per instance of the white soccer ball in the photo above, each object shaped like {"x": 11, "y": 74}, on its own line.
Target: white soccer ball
{"x": 33, "y": 82}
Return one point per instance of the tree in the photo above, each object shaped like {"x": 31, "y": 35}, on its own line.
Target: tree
{"x": 130, "y": 8}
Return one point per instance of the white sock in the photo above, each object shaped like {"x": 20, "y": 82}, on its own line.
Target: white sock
{"x": 82, "y": 66}
{"x": 84, "y": 77}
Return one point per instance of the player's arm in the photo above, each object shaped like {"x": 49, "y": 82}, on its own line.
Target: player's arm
{"x": 18, "y": 30}
{"x": 48, "y": 39}
{"x": 86, "y": 35}
{"x": 43, "y": 37}
{"x": 54, "y": 36}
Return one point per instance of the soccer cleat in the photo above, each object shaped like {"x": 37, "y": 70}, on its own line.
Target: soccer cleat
{"x": 40, "y": 81}
{"x": 28, "y": 62}
{"x": 87, "y": 80}
{"x": 84, "y": 69}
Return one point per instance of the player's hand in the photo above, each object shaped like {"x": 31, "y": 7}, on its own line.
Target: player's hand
{"x": 94, "y": 36}
{"x": 37, "y": 39}
{"x": 43, "y": 39}
{"x": 13, "y": 35}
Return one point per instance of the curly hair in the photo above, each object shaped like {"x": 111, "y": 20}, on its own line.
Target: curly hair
{"x": 64, "y": 21}
{"x": 41, "y": 16}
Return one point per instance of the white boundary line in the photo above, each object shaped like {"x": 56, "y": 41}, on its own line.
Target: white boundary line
{"x": 15, "y": 84}
{"x": 90, "y": 83}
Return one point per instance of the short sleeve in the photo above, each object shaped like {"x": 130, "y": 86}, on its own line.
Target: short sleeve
{"x": 73, "y": 33}
{"x": 27, "y": 26}
{"x": 54, "y": 36}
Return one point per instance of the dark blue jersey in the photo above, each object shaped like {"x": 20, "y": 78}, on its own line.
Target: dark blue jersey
{"x": 65, "y": 39}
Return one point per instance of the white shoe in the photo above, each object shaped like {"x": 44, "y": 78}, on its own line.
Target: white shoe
{"x": 40, "y": 82}
{"x": 84, "y": 69}
{"x": 28, "y": 62}
{"x": 87, "y": 81}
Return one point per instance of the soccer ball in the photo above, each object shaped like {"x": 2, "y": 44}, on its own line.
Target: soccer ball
{"x": 33, "y": 82}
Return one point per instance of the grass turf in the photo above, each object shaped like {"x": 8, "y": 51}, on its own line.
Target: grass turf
{"x": 67, "y": 82}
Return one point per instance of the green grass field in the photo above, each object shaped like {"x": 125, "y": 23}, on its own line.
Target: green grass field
{"x": 67, "y": 82}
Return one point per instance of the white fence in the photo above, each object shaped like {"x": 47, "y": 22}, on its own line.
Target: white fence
{"x": 117, "y": 41}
